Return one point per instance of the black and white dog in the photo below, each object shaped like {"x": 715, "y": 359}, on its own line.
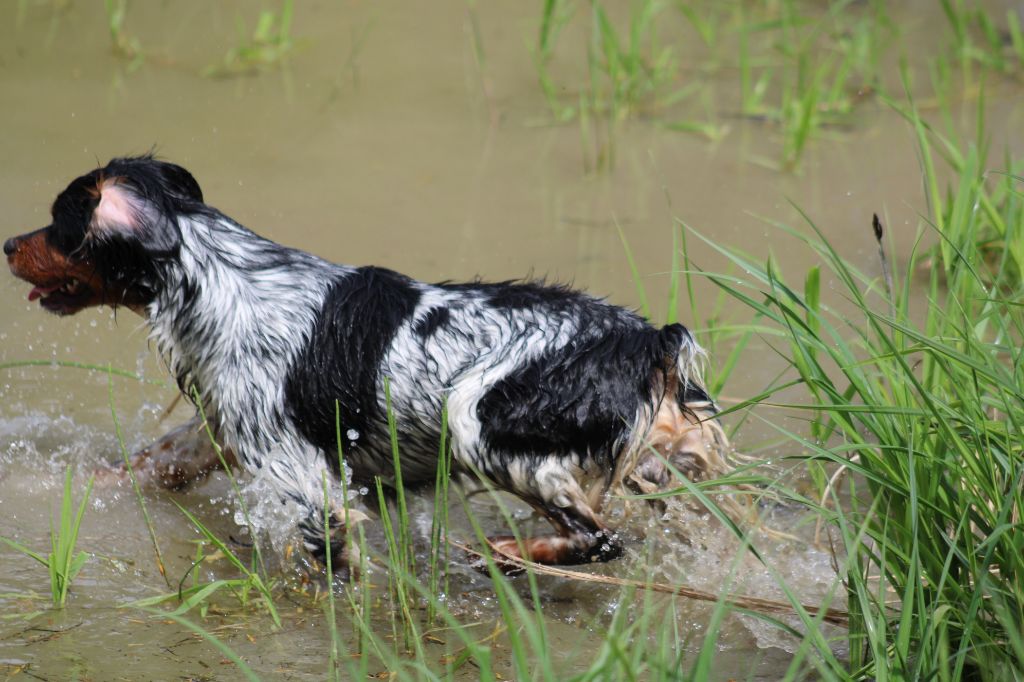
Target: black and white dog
{"x": 551, "y": 394}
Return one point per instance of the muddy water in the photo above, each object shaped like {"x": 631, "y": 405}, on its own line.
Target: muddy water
{"x": 385, "y": 139}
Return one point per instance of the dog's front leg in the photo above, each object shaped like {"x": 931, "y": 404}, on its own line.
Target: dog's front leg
{"x": 343, "y": 551}
{"x": 301, "y": 476}
{"x": 178, "y": 459}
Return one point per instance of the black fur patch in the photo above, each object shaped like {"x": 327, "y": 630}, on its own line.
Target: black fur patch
{"x": 432, "y": 321}
{"x": 361, "y": 313}
{"x": 579, "y": 399}
{"x": 521, "y": 295}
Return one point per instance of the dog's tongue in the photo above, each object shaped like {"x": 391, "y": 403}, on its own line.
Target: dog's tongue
{"x": 37, "y": 292}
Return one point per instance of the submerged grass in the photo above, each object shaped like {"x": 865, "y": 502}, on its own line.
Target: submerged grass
{"x": 198, "y": 594}
{"x": 268, "y": 45}
{"x": 979, "y": 38}
{"x": 803, "y": 70}
{"x": 800, "y": 68}
{"x": 123, "y": 44}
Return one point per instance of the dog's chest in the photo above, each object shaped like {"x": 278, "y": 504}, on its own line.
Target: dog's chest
{"x": 232, "y": 341}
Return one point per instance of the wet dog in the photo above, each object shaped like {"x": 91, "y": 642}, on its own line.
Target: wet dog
{"x": 551, "y": 395}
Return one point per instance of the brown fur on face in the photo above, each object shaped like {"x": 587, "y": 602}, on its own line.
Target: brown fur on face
{"x": 63, "y": 284}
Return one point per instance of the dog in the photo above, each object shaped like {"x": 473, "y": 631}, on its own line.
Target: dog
{"x": 551, "y": 394}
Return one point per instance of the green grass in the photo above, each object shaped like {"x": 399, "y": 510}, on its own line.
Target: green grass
{"x": 911, "y": 373}
{"x": 401, "y": 625}
{"x": 62, "y": 563}
{"x": 123, "y": 44}
{"x": 214, "y": 641}
{"x": 198, "y": 594}
{"x": 802, "y": 71}
{"x": 914, "y": 409}
{"x": 268, "y": 45}
{"x": 800, "y": 68}
{"x": 629, "y": 72}
{"x": 923, "y": 408}
{"x": 992, "y": 224}
{"x": 803, "y": 68}
{"x": 978, "y": 38}
{"x": 131, "y": 476}
{"x": 90, "y": 367}
{"x": 254, "y": 578}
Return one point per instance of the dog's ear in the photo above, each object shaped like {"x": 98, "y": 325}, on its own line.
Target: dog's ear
{"x": 141, "y": 199}
{"x": 179, "y": 182}
{"x": 132, "y": 220}
{"x": 118, "y": 209}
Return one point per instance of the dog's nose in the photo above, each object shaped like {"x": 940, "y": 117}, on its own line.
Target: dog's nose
{"x": 10, "y": 246}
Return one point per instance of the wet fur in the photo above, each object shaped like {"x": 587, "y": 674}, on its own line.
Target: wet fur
{"x": 551, "y": 394}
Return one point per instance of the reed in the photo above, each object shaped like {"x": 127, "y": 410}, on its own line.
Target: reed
{"x": 135, "y": 484}
{"x": 920, "y": 414}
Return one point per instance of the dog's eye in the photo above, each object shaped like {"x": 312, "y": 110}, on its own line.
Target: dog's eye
{"x": 65, "y": 238}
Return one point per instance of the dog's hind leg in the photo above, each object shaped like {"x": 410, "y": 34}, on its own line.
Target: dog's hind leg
{"x": 553, "y": 484}
{"x": 179, "y": 458}
{"x": 582, "y": 537}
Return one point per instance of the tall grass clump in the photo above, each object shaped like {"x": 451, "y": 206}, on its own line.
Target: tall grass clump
{"x": 62, "y": 562}
{"x": 628, "y": 67}
{"x": 984, "y": 210}
{"x": 916, "y": 387}
{"x": 978, "y": 37}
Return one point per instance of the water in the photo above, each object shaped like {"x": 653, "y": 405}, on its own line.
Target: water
{"x": 382, "y": 141}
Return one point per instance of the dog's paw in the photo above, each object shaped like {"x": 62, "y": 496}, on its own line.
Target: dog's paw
{"x": 503, "y": 549}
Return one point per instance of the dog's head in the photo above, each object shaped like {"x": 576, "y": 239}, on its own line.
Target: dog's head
{"x": 111, "y": 229}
